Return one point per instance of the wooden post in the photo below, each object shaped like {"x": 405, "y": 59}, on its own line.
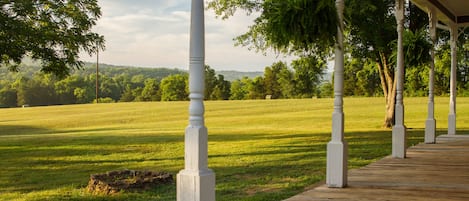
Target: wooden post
{"x": 454, "y": 63}
{"x": 196, "y": 182}
{"x": 399, "y": 130}
{"x": 430, "y": 124}
{"x": 337, "y": 152}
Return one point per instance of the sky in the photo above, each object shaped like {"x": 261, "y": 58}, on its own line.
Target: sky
{"x": 155, "y": 33}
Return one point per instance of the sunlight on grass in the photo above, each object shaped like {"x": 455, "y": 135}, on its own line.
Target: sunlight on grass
{"x": 259, "y": 150}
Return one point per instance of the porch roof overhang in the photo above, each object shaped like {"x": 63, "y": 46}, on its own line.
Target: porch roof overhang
{"x": 449, "y": 12}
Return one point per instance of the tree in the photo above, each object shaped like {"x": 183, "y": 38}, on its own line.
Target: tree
{"x": 272, "y": 78}
{"x": 239, "y": 89}
{"x": 256, "y": 88}
{"x": 287, "y": 83}
{"x": 374, "y": 38}
{"x": 8, "y": 97}
{"x": 326, "y": 90}
{"x": 210, "y": 82}
{"x": 150, "y": 91}
{"x": 127, "y": 95}
{"x": 300, "y": 26}
{"x": 174, "y": 88}
{"x": 361, "y": 78}
{"x": 221, "y": 90}
{"x": 53, "y": 32}
{"x": 306, "y": 28}
{"x": 308, "y": 73}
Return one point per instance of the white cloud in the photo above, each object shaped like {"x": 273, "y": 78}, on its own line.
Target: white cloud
{"x": 155, "y": 33}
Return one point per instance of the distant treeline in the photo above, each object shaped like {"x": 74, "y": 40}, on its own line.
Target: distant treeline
{"x": 303, "y": 78}
{"x": 126, "y": 84}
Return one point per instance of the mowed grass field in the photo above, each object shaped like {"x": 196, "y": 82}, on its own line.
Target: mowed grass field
{"x": 260, "y": 150}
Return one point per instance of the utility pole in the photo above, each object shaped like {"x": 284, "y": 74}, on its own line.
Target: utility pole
{"x": 97, "y": 73}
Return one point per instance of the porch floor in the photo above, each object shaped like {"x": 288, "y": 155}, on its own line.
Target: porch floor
{"x": 430, "y": 172}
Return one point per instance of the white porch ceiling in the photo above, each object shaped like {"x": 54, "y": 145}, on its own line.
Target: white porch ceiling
{"x": 448, "y": 11}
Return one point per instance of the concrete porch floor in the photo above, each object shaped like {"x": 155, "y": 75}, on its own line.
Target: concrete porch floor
{"x": 430, "y": 172}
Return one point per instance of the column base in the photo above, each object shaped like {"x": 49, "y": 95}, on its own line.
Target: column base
{"x": 452, "y": 124}
{"x": 399, "y": 141}
{"x": 196, "y": 185}
{"x": 430, "y": 131}
{"x": 337, "y": 156}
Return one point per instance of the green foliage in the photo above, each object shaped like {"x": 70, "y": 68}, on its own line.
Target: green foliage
{"x": 216, "y": 87}
{"x": 238, "y": 89}
{"x": 292, "y": 26}
{"x": 53, "y": 32}
{"x": 326, "y": 90}
{"x": 287, "y": 83}
{"x": 118, "y": 83}
{"x": 272, "y": 79}
{"x": 361, "y": 78}
{"x": 104, "y": 100}
{"x": 308, "y": 73}
{"x": 151, "y": 91}
{"x": 416, "y": 48}
{"x": 8, "y": 97}
{"x": 256, "y": 88}
{"x": 174, "y": 88}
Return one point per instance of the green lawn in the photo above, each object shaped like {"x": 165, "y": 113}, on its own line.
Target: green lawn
{"x": 259, "y": 150}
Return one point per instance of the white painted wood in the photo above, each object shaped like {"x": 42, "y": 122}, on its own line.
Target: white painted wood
{"x": 399, "y": 130}
{"x": 430, "y": 124}
{"x": 452, "y": 99}
{"x": 196, "y": 182}
{"x": 337, "y": 148}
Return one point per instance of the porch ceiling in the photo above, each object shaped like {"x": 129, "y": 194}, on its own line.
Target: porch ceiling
{"x": 448, "y": 11}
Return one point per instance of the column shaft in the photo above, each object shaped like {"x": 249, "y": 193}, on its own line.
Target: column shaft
{"x": 399, "y": 130}
{"x": 337, "y": 147}
{"x": 452, "y": 99}
{"x": 196, "y": 182}
{"x": 430, "y": 124}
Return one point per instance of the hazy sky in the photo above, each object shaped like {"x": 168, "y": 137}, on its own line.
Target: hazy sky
{"x": 155, "y": 33}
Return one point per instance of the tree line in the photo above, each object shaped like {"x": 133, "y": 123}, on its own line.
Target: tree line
{"x": 302, "y": 78}
{"x": 117, "y": 84}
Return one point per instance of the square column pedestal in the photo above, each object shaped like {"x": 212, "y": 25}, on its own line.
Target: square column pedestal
{"x": 452, "y": 124}
{"x": 430, "y": 130}
{"x": 196, "y": 182}
{"x": 399, "y": 141}
{"x": 337, "y": 164}
{"x": 196, "y": 186}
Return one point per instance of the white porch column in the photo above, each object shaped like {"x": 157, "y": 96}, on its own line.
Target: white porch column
{"x": 399, "y": 130}
{"x": 196, "y": 182}
{"x": 430, "y": 124}
{"x": 452, "y": 99}
{"x": 337, "y": 147}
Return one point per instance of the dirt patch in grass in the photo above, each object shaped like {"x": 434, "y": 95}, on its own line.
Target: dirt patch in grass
{"x": 126, "y": 180}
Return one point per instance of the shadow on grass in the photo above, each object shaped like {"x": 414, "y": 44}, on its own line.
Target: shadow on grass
{"x": 19, "y": 130}
{"x": 282, "y": 166}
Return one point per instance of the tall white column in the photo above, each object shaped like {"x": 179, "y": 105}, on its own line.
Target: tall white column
{"x": 337, "y": 152}
{"x": 430, "y": 124}
{"x": 452, "y": 99}
{"x": 196, "y": 182}
{"x": 399, "y": 130}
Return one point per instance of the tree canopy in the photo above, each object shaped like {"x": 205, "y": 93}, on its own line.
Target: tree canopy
{"x": 285, "y": 26}
{"x": 308, "y": 28}
{"x": 51, "y": 31}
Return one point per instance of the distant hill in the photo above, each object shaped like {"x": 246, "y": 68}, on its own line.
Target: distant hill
{"x": 113, "y": 70}
{"x": 234, "y": 75}
{"x": 29, "y": 67}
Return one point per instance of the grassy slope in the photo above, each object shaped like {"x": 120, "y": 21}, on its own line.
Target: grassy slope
{"x": 259, "y": 150}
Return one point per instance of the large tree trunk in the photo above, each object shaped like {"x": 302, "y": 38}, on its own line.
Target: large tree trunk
{"x": 388, "y": 83}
